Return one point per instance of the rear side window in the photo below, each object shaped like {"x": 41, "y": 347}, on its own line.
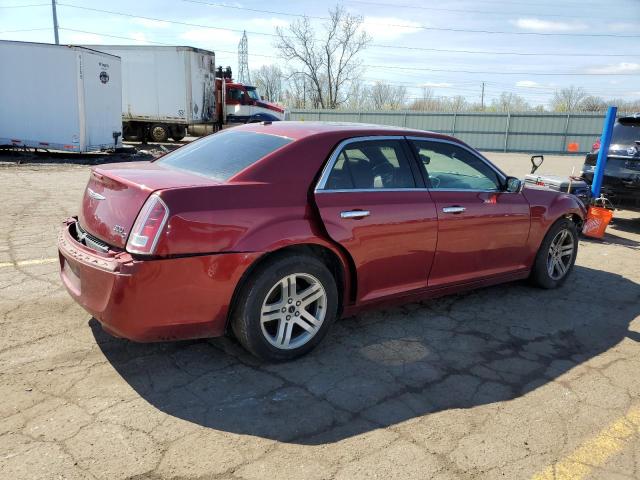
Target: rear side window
{"x": 626, "y": 132}
{"x": 371, "y": 165}
{"x": 224, "y": 154}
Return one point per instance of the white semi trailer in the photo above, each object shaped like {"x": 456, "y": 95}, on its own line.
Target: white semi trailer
{"x": 165, "y": 89}
{"x": 59, "y": 97}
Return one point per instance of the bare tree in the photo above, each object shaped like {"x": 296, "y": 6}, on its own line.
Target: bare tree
{"x": 457, "y": 103}
{"x": 268, "y": 80}
{"x": 384, "y": 96}
{"x": 568, "y": 99}
{"x": 299, "y": 92}
{"x": 427, "y": 102}
{"x": 509, "y": 102}
{"x": 329, "y": 60}
{"x": 593, "y": 104}
{"x": 358, "y": 96}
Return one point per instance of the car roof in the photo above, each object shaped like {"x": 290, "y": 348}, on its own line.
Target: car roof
{"x": 297, "y": 130}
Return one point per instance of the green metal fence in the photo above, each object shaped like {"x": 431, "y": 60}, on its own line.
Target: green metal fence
{"x": 503, "y": 132}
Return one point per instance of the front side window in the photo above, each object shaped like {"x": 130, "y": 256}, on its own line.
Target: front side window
{"x": 235, "y": 94}
{"x": 224, "y": 154}
{"x": 371, "y": 165}
{"x": 450, "y": 167}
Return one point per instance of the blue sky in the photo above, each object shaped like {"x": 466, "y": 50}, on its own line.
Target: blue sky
{"x": 391, "y": 23}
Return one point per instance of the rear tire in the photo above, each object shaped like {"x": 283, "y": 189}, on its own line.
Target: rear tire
{"x": 131, "y": 133}
{"x": 158, "y": 133}
{"x": 286, "y": 307}
{"x": 556, "y": 256}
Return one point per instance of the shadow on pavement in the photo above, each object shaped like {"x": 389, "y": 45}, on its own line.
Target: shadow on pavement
{"x": 389, "y": 366}
{"x": 612, "y": 239}
{"x": 629, "y": 225}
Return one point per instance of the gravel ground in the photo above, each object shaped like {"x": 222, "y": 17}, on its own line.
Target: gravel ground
{"x": 507, "y": 382}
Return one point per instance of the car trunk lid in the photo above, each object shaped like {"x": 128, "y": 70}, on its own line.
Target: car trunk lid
{"x": 115, "y": 194}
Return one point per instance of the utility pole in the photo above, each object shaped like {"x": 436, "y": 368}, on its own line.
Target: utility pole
{"x": 55, "y": 22}
{"x": 482, "y": 98}
{"x": 304, "y": 92}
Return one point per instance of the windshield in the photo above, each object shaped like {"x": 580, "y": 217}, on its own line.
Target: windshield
{"x": 625, "y": 133}
{"x": 222, "y": 155}
{"x": 253, "y": 93}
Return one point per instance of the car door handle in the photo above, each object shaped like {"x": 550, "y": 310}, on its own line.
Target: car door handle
{"x": 355, "y": 214}
{"x": 454, "y": 209}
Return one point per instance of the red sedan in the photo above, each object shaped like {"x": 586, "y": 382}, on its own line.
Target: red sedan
{"x": 275, "y": 230}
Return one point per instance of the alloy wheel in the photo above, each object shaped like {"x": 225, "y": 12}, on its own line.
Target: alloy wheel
{"x": 293, "y": 311}
{"x": 560, "y": 254}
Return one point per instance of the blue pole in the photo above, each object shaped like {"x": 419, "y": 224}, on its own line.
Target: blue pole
{"x": 605, "y": 141}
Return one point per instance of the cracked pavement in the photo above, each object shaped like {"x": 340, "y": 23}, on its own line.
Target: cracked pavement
{"x": 505, "y": 382}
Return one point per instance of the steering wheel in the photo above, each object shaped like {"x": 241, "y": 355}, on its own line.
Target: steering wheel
{"x": 435, "y": 182}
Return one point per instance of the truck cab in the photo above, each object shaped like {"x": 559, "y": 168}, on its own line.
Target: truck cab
{"x": 239, "y": 103}
{"x": 245, "y": 105}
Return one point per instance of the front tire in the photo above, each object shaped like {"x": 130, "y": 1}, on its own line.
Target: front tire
{"x": 556, "y": 256}
{"x": 286, "y": 307}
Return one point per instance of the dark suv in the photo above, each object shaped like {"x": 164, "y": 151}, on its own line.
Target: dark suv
{"x": 621, "y": 183}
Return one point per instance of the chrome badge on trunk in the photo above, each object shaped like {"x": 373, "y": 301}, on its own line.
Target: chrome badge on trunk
{"x": 119, "y": 230}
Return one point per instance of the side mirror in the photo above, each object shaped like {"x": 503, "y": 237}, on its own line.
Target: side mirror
{"x": 536, "y": 161}
{"x": 425, "y": 158}
{"x": 514, "y": 185}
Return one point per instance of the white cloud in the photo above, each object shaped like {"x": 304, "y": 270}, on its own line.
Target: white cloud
{"x": 387, "y": 28}
{"x": 211, "y": 36}
{"x": 622, "y": 67}
{"x": 622, "y": 26}
{"x": 436, "y": 85}
{"x": 148, "y": 23}
{"x": 527, "y": 84}
{"x": 139, "y": 37}
{"x": 538, "y": 25}
{"x": 78, "y": 38}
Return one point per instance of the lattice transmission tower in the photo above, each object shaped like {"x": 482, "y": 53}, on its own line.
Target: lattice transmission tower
{"x": 243, "y": 60}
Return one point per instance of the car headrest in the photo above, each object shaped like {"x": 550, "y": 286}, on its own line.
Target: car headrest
{"x": 339, "y": 180}
{"x": 362, "y": 172}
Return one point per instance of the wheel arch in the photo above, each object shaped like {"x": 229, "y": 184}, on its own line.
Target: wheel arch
{"x": 577, "y": 219}
{"x": 339, "y": 263}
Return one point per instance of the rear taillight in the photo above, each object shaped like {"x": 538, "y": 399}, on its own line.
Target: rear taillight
{"x": 596, "y": 146}
{"x": 148, "y": 227}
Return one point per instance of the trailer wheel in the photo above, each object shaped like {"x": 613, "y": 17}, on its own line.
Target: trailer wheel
{"x": 131, "y": 133}
{"x": 178, "y": 133}
{"x": 159, "y": 133}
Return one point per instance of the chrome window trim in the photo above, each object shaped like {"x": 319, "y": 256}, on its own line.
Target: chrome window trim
{"x": 336, "y": 153}
{"x": 354, "y": 190}
{"x": 326, "y": 171}
{"x": 472, "y": 190}
{"x": 476, "y": 154}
